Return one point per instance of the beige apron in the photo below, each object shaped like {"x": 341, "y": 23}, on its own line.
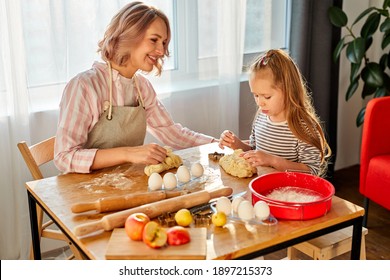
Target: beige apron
{"x": 119, "y": 126}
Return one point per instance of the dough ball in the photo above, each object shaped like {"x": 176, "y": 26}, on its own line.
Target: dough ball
{"x": 170, "y": 162}
{"x": 235, "y": 165}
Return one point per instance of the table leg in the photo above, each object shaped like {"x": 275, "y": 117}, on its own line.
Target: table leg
{"x": 34, "y": 227}
{"x": 356, "y": 238}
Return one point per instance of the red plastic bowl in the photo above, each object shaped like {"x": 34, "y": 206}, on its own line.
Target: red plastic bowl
{"x": 264, "y": 184}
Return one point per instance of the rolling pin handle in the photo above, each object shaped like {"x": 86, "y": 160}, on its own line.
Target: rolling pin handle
{"x": 83, "y": 207}
{"x": 225, "y": 191}
{"x": 89, "y": 228}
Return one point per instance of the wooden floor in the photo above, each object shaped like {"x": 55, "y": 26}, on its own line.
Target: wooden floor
{"x": 346, "y": 183}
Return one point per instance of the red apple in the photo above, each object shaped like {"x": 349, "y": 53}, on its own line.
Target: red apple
{"x": 154, "y": 235}
{"x": 178, "y": 235}
{"x": 135, "y": 224}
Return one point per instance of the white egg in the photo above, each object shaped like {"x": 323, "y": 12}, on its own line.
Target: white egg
{"x": 155, "y": 181}
{"x": 236, "y": 202}
{"x": 262, "y": 210}
{"x": 224, "y": 205}
{"x": 197, "y": 169}
{"x": 245, "y": 210}
{"x": 170, "y": 181}
{"x": 183, "y": 174}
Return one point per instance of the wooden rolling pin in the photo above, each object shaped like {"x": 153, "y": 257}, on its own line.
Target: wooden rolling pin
{"x": 117, "y": 203}
{"x": 154, "y": 209}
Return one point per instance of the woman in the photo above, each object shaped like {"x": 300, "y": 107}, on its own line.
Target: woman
{"x": 104, "y": 111}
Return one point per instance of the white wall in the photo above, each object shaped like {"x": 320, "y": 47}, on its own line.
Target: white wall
{"x": 348, "y": 135}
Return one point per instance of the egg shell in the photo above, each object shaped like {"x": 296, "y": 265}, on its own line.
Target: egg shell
{"x": 245, "y": 210}
{"x": 170, "y": 181}
{"x": 236, "y": 202}
{"x": 197, "y": 169}
{"x": 262, "y": 210}
{"x": 183, "y": 174}
{"x": 224, "y": 205}
{"x": 155, "y": 181}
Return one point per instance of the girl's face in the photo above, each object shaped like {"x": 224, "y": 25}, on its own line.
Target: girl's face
{"x": 268, "y": 96}
{"x": 152, "y": 47}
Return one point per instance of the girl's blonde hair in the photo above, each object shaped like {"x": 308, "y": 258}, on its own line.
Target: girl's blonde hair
{"x": 301, "y": 116}
{"x": 126, "y": 29}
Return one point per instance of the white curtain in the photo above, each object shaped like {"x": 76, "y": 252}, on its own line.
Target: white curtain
{"x": 231, "y": 33}
{"x": 14, "y": 126}
{"x": 22, "y": 96}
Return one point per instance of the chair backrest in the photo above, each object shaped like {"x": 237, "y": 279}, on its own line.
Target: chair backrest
{"x": 37, "y": 154}
{"x": 376, "y": 133}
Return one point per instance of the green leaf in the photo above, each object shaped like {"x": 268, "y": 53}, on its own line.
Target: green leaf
{"x": 360, "y": 117}
{"x": 368, "y": 43}
{"x": 367, "y": 90}
{"x": 388, "y": 61}
{"x": 355, "y": 67}
{"x": 386, "y": 4}
{"x": 365, "y": 12}
{"x": 384, "y": 13}
{"x": 351, "y": 89}
{"x": 380, "y": 92}
{"x": 385, "y": 41}
{"x": 385, "y": 26}
{"x": 386, "y": 83}
{"x": 371, "y": 25}
{"x": 372, "y": 75}
{"x": 337, "y": 17}
{"x": 356, "y": 50}
{"x": 384, "y": 61}
{"x": 340, "y": 46}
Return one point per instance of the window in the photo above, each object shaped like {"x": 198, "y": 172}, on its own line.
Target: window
{"x": 61, "y": 38}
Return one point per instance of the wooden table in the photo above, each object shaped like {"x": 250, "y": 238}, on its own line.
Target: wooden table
{"x": 57, "y": 194}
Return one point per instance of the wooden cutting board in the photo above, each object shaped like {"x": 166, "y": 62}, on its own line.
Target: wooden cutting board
{"x": 121, "y": 247}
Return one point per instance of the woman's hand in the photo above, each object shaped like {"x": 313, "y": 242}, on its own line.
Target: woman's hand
{"x": 147, "y": 154}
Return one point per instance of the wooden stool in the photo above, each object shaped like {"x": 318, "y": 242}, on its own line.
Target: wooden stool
{"x": 328, "y": 246}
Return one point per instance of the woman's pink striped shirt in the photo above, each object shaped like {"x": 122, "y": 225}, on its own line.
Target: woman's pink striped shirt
{"x": 82, "y": 104}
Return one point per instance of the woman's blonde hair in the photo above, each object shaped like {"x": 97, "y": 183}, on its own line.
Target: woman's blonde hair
{"x": 301, "y": 116}
{"x": 126, "y": 29}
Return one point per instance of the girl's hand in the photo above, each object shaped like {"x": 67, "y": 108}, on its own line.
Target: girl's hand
{"x": 229, "y": 139}
{"x": 257, "y": 158}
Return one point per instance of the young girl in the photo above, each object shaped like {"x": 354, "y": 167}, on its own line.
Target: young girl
{"x": 286, "y": 132}
{"x": 104, "y": 112}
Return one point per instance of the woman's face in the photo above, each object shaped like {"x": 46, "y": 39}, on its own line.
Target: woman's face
{"x": 152, "y": 47}
{"x": 268, "y": 96}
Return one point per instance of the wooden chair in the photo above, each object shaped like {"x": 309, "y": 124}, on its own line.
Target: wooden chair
{"x": 35, "y": 156}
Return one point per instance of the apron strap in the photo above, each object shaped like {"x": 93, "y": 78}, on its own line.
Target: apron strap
{"x": 139, "y": 93}
{"x": 109, "y": 116}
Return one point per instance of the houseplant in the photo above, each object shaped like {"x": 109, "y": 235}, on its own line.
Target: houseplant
{"x": 373, "y": 74}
